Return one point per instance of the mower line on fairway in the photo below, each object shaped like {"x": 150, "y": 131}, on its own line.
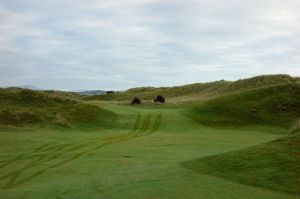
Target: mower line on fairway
{"x": 49, "y": 152}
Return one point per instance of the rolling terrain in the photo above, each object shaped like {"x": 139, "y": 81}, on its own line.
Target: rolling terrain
{"x": 237, "y": 143}
{"x": 199, "y": 91}
{"x": 22, "y": 107}
{"x": 275, "y": 105}
{"x": 274, "y": 165}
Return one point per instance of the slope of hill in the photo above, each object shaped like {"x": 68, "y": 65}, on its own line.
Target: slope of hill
{"x": 199, "y": 90}
{"x": 53, "y": 93}
{"x": 277, "y": 105}
{"x": 274, "y": 165}
{"x": 91, "y": 92}
{"x": 22, "y": 107}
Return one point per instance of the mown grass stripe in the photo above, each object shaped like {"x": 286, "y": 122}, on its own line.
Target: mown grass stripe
{"x": 156, "y": 124}
{"x": 146, "y": 124}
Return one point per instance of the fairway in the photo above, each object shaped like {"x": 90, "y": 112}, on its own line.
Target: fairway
{"x": 139, "y": 156}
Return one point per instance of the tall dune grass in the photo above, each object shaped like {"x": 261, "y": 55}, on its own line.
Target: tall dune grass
{"x": 295, "y": 126}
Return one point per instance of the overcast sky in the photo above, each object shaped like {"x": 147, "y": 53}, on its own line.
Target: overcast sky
{"x": 118, "y": 44}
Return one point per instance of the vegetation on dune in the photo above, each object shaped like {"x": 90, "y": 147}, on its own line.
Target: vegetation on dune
{"x": 63, "y": 94}
{"x": 22, "y": 107}
{"x": 274, "y": 165}
{"x": 53, "y": 93}
{"x": 199, "y": 90}
{"x": 18, "y": 117}
{"x": 278, "y": 105}
{"x": 295, "y": 126}
{"x": 262, "y": 81}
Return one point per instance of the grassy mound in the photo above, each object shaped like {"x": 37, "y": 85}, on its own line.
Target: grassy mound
{"x": 199, "y": 90}
{"x": 22, "y": 107}
{"x": 278, "y": 105}
{"x": 274, "y": 165}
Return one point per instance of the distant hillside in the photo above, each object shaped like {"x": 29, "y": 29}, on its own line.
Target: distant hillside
{"x": 53, "y": 93}
{"x": 274, "y": 165}
{"x": 276, "y": 105}
{"x": 198, "y": 91}
{"x": 91, "y": 92}
{"x": 31, "y": 87}
{"x": 22, "y": 107}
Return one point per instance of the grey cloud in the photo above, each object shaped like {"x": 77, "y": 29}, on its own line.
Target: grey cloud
{"x": 119, "y": 44}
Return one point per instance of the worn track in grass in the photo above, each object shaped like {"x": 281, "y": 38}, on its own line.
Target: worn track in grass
{"x": 55, "y": 155}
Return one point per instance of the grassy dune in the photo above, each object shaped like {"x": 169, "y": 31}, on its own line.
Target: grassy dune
{"x": 277, "y": 105}
{"x": 199, "y": 91}
{"x": 21, "y": 107}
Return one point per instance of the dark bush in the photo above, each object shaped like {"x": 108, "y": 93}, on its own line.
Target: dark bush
{"x": 136, "y": 101}
{"x": 160, "y": 99}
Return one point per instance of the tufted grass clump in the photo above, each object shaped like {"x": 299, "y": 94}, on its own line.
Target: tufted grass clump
{"x": 295, "y": 126}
